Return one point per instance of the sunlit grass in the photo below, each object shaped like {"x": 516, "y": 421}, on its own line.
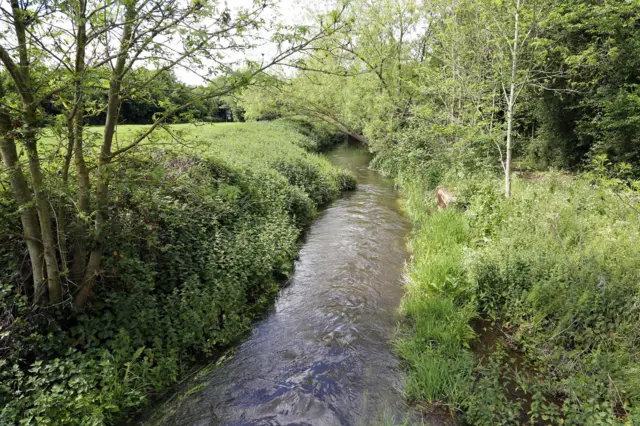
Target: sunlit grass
{"x": 249, "y": 145}
{"x": 435, "y": 346}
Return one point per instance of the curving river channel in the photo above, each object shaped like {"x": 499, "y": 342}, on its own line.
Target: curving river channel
{"x": 323, "y": 356}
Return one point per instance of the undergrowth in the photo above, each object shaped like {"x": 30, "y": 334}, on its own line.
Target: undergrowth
{"x": 198, "y": 237}
{"x": 553, "y": 272}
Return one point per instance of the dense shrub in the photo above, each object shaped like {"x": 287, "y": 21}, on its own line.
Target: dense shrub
{"x": 551, "y": 274}
{"x": 194, "y": 249}
{"x": 319, "y": 137}
{"x": 561, "y": 270}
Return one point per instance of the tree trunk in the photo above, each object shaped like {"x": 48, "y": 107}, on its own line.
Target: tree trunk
{"x": 102, "y": 188}
{"x": 507, "y": 163}
{"x": 28, "y": 217}
{"x": 84, "y": 186}
{"x": 21, "y": 75}
{"x": 102, "y": 195}
{"x": 511, "y": 101}
{"x": 42, "y": 207}
{"x": 60, "y": 220}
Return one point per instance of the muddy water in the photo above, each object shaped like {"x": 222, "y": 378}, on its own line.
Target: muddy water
{"x": 323, "y": 356}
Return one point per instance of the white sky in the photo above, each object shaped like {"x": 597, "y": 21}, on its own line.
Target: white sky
{"x": 288, "y": 12}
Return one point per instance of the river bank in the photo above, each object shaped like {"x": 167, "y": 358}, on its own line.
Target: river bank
{"x": 201, "y": 228}
{"x": 548, "y": 280}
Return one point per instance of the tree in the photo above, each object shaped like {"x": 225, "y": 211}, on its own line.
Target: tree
{"x": 28, "y": 215}
{"x": 28, "y": 87}
{"x": 514, "y": 36}
{"x": 593, "y": 107}
{"x": 107, "y": 44}
{"x": 515, "y": 84}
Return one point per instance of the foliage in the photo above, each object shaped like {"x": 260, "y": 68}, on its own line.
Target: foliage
{"x": 445, "y": 93}
{"x": 595, "y": 106}
{"x": 567, "y": 313}
{"x": 437, "y": 314}
{"x": 195, "y": 248}
{"x": 571, "y": 306}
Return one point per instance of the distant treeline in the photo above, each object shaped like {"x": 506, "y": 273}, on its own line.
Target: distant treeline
{"x": 144, "y": 106}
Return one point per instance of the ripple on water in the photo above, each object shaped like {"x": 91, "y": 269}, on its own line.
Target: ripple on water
{"x": 323, "y": 356}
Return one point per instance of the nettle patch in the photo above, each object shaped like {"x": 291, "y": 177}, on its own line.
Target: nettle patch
{"x": 548, "y": 279}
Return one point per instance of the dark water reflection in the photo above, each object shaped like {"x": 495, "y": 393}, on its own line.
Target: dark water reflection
{"x": 323, "y": 357}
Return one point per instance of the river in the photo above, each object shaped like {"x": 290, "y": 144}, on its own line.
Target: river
{"x": 323, "y": 356}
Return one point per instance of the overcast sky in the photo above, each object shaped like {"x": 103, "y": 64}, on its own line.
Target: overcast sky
{"x": 289, "y": 12}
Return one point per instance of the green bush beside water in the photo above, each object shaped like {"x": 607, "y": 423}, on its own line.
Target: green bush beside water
{"x": 195, "y": 248}
{"x": 555, "y": 269}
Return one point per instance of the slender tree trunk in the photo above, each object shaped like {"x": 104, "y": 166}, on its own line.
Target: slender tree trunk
{"x": 60, "y": 220}
{"x": 84, "y": 186}
{"x": 511, "y": 101}
{"x": 28, "y": 217}
{"x": 102, "y": 187}
{"x": 507, "y": 163}
{"x": 42, "y": 207}
{"x": 22, "y": 77}
{"x": 102, "y": 196}
{"x": 69, "y": 154}
{"x": 493, "y": 109}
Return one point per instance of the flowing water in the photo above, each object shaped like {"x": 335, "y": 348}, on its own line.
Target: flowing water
{"x": 323, "y": 356}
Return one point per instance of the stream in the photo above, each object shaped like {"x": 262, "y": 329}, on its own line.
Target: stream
{"x": 323, "y": 356}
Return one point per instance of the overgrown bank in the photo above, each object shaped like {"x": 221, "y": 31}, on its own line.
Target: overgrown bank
{"x": 197, "y": 238}
{"x": 548, "y": 279}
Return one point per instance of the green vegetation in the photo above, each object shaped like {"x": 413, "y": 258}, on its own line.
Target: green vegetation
{"x": 127, "y": 254}
{"x": 437, "y": 313}
{"x": 194, "y": 250}
{"x": 521, "y": 304}
{"x": 554, "y": 273}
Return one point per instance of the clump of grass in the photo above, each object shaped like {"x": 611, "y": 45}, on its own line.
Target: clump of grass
{"x": 436, "y": 336}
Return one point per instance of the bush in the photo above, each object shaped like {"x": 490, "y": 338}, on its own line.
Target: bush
{"x": 554, "y": 268}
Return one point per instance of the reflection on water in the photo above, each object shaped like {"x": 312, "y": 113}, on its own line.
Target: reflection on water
{"x": 323, "y": 357}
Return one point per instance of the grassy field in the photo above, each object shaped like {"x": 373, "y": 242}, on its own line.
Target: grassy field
{"x": 199, "y": 137}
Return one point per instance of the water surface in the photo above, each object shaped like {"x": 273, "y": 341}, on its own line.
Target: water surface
{"x": 323, "y": 356}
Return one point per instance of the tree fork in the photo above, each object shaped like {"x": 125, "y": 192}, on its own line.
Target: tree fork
{"x": 102, "y": 189}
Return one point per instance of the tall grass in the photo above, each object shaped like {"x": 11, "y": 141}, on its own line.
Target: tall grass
{"x": 437, "y": 331}
{"x": 556, "y": 270}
